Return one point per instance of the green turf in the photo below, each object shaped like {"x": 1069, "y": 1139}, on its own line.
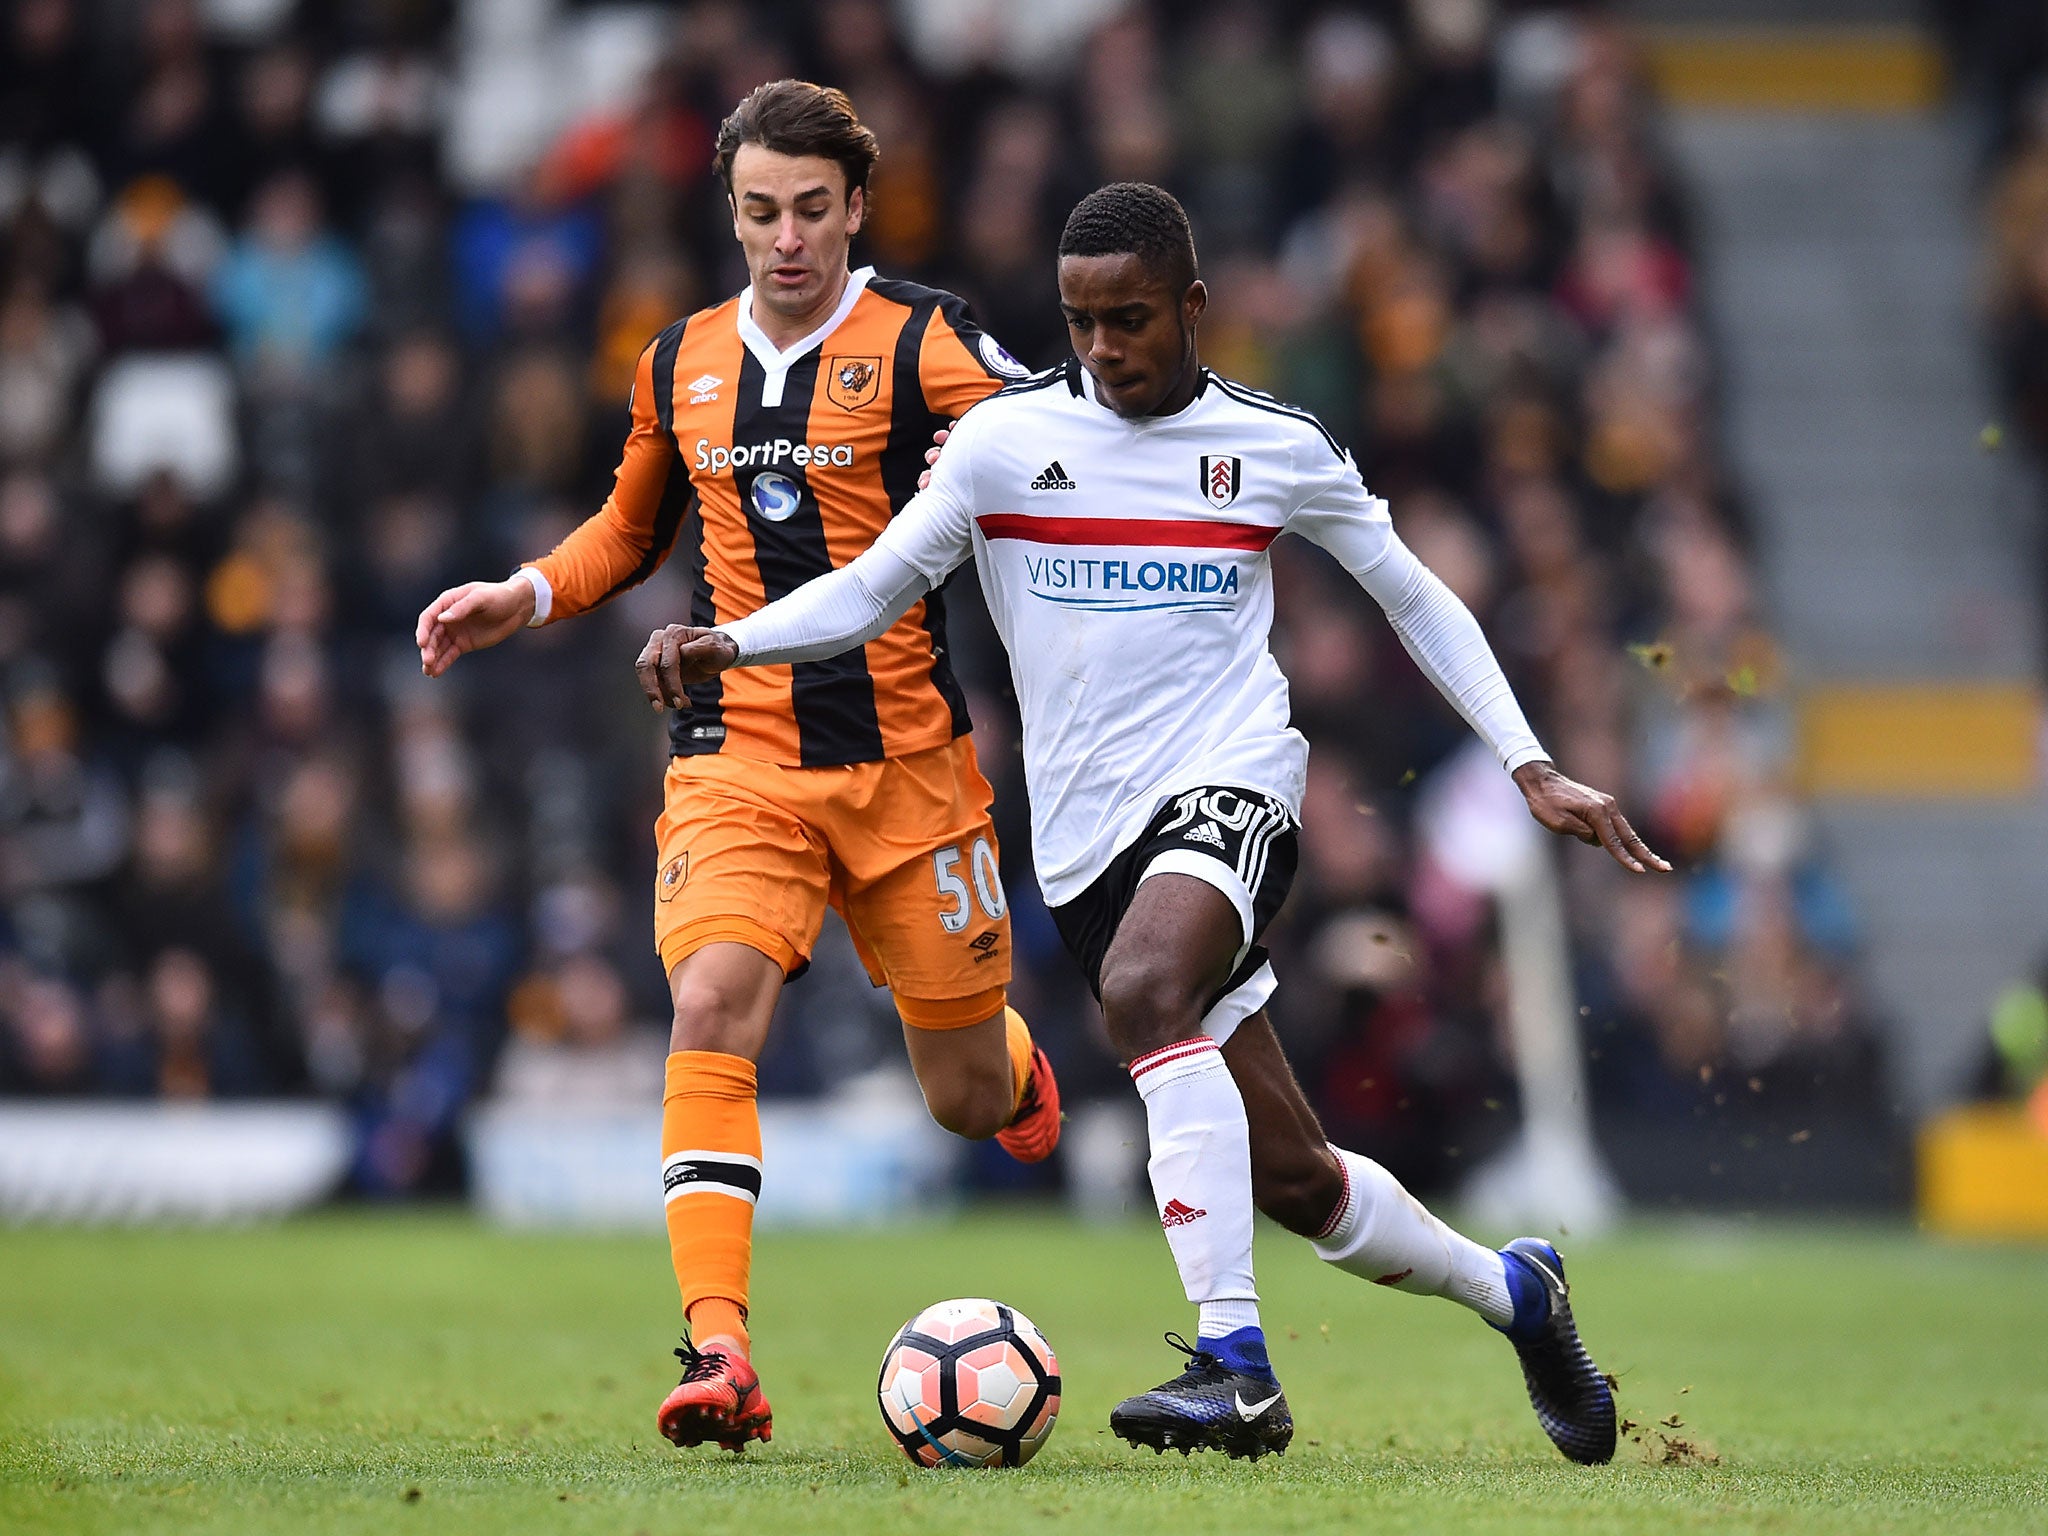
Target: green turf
{"x": 363, "y": 1373}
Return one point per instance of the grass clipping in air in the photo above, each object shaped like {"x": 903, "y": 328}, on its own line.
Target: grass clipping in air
{"x": 356, "y": 1373}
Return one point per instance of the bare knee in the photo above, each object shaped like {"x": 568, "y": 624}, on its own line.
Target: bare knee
{"x": 1147, "y": 1002}
{"x": 966, "y": 1077}
{"x": 715, "y": 1014}
{"x": 971, "y": 1108}
{"x": 1299, "y": 1187}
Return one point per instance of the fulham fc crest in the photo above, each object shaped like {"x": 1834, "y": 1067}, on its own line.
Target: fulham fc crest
{"x": 1222, "y": 474}
{"x": 852, "y": 381}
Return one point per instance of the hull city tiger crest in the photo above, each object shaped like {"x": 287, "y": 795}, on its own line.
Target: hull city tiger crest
{"x": 853, "y": 381}
{"x": 1222, "y": 475}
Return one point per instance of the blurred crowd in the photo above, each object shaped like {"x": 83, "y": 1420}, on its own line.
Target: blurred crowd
{"x": 308, "y": 311}
{"x": 2000, "y": 52}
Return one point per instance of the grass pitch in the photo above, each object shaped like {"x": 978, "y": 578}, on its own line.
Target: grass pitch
{"x": 391, "y": 1373}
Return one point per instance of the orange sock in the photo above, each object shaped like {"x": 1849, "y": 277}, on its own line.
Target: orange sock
{"x": 1018, "y": 1035}
{"x": 716, "y": 1318}
{"x": 710, "y": 1177}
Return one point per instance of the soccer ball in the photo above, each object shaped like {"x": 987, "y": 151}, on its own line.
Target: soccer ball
{"x": 969, "y": 1383}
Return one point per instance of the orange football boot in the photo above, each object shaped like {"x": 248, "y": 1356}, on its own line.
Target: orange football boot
{"x": 719, "y": 1399}
{"x": 1035, "y": 1129}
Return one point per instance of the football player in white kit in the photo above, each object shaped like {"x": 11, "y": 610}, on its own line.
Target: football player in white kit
{"x": 1119, "y": 509}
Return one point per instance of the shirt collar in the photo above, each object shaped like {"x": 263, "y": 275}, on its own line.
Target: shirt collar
{"x": 773, "y": 360}
{"x": 1083, "y": 388}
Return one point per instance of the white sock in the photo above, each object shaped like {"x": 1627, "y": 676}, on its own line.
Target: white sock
{"x": 1383, "y": 1234}
{"x": 1201, "y": 1168}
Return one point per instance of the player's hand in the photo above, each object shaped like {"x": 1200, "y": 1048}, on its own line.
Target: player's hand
{"x": 471, "y": 617}
{"x": 1572, "y": 809}
{"x": 678, "y": 656}
{"x": 931, "y": 454}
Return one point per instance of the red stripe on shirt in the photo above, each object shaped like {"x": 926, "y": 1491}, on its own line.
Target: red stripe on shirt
{"x": 1190, "y": 533}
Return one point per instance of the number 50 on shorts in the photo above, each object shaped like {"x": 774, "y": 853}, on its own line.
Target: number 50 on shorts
{"x": 955, "y": 912}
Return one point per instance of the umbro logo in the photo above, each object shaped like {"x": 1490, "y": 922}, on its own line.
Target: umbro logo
{"x": 1206, "y": 833}
{"x": 1053, "y": 478}
{"x": 704, "y": 388}
{"x": 1178, "y": 1214}
{"x": 984, "y": 946}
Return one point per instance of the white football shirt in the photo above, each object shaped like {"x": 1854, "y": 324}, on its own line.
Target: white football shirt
{"x": 1126, "y": 568}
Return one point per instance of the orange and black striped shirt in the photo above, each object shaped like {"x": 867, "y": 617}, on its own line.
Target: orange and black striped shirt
{"x": 771, "y": 469}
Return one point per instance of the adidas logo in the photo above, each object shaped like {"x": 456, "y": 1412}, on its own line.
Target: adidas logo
{"x": 1053, "y": 478}
{"x": 1206, "y": 833}
{"x": 1178, "y": 1215}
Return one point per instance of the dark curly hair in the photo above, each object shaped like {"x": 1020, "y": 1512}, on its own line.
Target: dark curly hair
{"x": 795, "y": 117}
{"x": 1138, "y": 219}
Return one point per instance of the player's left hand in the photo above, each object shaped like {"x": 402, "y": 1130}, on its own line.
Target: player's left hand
{"x": 678, "y": 656}
{"x": 1572, "y": 809}
{"x": 931, "y": 454}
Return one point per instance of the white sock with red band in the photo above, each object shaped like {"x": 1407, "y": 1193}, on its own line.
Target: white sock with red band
{"x": 1382, "y": 1233}
{"x": 1201, "y": 1168}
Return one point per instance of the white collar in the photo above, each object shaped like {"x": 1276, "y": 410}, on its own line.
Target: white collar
{"x": 774, "y": 361}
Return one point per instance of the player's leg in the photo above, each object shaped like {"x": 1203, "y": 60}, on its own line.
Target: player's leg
{"x": 724, "y": 999}
{"x": 738, "y": 900}
{"x": 921, "y": 890}
{"x": 1173, "y": 952}
{"x": 1167, "y": 936}
{"x": 973, "y": 1055}
{"x": 1364, "y": 1222}
{"x": 973, "y": 1076}
{"x": 1316, "y": 1190}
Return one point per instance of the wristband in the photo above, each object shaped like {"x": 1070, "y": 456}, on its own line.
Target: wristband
{"x": 543, "y": 595}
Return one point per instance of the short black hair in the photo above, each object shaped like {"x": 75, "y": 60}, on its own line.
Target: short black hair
{"x": 795, "y": 117}
{"x": 1137, "y": 219}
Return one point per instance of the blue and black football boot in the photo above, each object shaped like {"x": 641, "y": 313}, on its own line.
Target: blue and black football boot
{"x": 1226, "y": 1400}
{"x": 1572, "y": 1399}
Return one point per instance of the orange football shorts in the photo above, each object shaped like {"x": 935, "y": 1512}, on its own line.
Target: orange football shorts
{"x": 751, "y": 853}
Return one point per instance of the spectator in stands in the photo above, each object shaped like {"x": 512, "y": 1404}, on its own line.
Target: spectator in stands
{"x": 289, "y": 292}
{"x": 575, "y": 1043}
{"x": 46, "y": 1044}
{"x": 44, "y": 351}
{"x": 151, "y": 259}
{"x": 434, "y": 954}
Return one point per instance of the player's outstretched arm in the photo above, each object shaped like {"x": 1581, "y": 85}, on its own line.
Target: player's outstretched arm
{"x": 922, "y": 545}
{"x": 1441, "y": 634}
{"x": 471, "y": 617}
{"x": 821, "y": 618}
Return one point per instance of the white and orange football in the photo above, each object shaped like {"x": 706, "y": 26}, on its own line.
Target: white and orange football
{"x": 969, "y": 1383}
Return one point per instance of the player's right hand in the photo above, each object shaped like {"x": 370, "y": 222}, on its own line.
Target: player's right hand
{"x": 471, "y": 617}
{"x": 931, "y": 454}
{"x": 678, "y": 656}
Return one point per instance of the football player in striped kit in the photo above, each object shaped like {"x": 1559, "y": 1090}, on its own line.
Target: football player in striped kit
{"x": 1119, "y": 509}
{"x": 773, "y": 437}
